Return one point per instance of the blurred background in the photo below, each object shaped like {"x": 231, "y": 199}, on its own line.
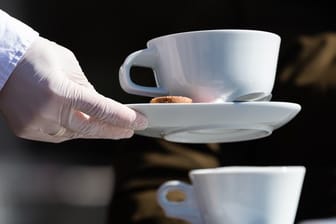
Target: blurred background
{"x": 73, "y": 182}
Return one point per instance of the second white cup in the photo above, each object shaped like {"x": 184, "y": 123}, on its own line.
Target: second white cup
{"x": 236, "y": 195}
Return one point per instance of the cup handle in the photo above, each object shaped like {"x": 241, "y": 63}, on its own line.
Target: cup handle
{"x": 144, "y": 58}
{"x": 187, "y": 209}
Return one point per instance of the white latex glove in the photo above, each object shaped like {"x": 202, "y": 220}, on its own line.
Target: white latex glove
{"x": 48, "y": 98}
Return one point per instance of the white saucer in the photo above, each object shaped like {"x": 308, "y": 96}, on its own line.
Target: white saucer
{"x": 215, "y": 122}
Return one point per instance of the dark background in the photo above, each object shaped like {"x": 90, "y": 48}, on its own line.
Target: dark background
{"x": 103, "y": 33}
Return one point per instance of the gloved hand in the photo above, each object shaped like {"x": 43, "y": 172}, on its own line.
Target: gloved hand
{"x": 315, "y": 64}
{"x": 48, "y": 98}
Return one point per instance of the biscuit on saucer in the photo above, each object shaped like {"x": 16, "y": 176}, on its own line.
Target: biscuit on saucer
{"x": 171, "y": 99}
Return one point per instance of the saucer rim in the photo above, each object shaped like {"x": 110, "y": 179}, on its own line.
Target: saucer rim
{"x": 213, "y": 104}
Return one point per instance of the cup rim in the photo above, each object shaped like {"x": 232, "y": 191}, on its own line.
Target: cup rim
{"x": 248, "y": 169}
{"x": 214, "y": 31}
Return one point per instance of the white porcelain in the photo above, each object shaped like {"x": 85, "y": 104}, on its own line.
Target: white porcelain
{"x": 329, "y": 220}
{"x": 207, "y": 65}
{"x": 215, "y": 122}
{"x": 236, "y": 195}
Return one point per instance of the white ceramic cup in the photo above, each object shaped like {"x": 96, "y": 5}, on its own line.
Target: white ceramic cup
{"x": 207, "y": 65}
{"x": 236, "y": 195}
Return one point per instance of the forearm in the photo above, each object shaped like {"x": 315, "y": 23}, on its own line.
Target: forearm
{"x": 15, "y": 39}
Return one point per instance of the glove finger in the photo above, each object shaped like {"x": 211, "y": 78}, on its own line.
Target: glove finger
{"x": 106, "y": 110}
{"x": 88, "y": 127}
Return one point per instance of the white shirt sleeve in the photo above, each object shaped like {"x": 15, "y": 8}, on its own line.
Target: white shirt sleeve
{"x": 15, "y": 38}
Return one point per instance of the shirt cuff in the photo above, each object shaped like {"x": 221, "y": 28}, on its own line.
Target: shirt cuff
{"x": 15, "y": 38}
